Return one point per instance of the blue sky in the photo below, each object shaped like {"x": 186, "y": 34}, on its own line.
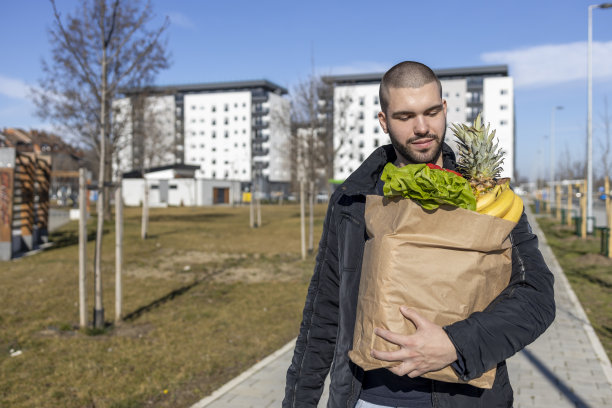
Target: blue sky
{"x": 543, "y": 42}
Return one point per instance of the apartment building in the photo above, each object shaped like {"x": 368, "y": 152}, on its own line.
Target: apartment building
{"x": 468, "y": 91}
{"x": 233, "y": 130}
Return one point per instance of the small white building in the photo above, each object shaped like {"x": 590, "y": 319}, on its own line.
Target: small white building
{"x": 468, "y": 91}
{"x": 178, "y": 186}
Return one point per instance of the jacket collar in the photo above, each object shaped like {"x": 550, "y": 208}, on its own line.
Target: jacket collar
{"x": 364, "y": 179}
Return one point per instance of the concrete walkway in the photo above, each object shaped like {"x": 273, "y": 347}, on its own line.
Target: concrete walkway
{"x": 565, "y": 367}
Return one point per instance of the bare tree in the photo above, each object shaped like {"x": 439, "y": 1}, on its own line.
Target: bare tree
{"x": 103, "y": 46}
{"x": 570, "y": 168}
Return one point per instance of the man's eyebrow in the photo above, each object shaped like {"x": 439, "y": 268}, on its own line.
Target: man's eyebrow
{"x": 405, "y": 112}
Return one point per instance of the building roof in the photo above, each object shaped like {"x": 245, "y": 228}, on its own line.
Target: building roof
{"x": 447, "y": 73}
{"x": 208, "y": 87}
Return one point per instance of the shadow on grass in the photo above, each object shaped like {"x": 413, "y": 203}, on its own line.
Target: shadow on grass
{"x": 186, "y": 218}
{"x": 592, "y": 279}
{"x": 158, "y": 302}
{"x": 63, "y": 239}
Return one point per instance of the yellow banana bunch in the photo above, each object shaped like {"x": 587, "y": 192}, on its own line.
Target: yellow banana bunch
{"x": 500, "y": 202}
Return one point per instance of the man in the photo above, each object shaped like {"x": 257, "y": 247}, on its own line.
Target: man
{"x": 413, "y": 113}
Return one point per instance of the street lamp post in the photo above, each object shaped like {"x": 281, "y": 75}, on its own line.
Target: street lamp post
{"x": 552, "y": 150}
{"x": 589, "y": 191}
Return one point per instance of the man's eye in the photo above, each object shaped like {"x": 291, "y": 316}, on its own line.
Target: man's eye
{"x": 434, "y": 113}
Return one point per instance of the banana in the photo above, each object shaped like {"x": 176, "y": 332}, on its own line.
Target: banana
{"x": 484, "y": 200}
{"x": 515, "y": 212}
{"x": 502, "y": 205}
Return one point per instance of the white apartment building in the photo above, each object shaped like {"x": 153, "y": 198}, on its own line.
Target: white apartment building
{"x": 467, "y": 91}
{"x": 233, "y": 130}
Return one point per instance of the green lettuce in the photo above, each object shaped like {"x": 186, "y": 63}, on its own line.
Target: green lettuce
{"x": 429, "y": 187}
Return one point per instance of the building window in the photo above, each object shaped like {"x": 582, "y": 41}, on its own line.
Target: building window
{"x": 361, "y": 143}
{"x": 503, "y": 122}
{"x": 360, "y": 115}
{"x": 202, "y": 132}
{"x": 226, "y": 107}
{"x": 214, "y": 134}
{"x": 376, "y": 100}
{"x": 376, "y": 142}
{"x": 376, "y": 129}
{"x": 361, "y": 157}
{"x": 214, "y": 149}
{"x": 214, "y": 122}
{"x": 361, "y": 129}
{"x": 214, "y": 108}
{"x": 226, "y": 135}
{"x": 193, "y": 107}
{"x": 214, "y": 162}
{"x": 214, "y": 174}
{"x": 361, "y": 100}
{"x": 225, "y": 121}
{"x": 341, "y": 169}
{"x": 503, "y": 92}
{"x": 503, "y": 107}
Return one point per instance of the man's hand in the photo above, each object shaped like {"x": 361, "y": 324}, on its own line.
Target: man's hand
{"x": 429, "y": 349}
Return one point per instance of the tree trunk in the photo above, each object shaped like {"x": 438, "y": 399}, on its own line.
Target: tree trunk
{"x": 252, "y": 206}
{"x": 82, "y": 249}
{"x": 99, "y": 307}
{"x": 311, "y": 197}
{"x": 302, "y": 219}
{"x": 144, "y": 227}
{"x": 118, "y": 250}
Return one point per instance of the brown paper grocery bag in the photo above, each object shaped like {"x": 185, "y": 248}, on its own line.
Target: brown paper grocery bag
{"x": 445, "y": 264}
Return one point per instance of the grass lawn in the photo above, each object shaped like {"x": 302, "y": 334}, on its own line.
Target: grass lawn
{"x": 589, "y": 273}
{"x": 205, "y": 297}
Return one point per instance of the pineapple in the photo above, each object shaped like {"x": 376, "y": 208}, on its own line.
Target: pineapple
{"x": 480, "y": 159}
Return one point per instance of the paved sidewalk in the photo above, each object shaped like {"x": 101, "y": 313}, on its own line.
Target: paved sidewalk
{"x": 565, "y": 367}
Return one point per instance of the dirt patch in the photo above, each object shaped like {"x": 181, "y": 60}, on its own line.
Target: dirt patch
{"x": 132, "y": 331}
{"x": 264, "y": 273}
{"x": 185, "y": 266}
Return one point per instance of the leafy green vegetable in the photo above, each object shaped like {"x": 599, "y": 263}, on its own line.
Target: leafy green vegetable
{"x": 430, "y": 187}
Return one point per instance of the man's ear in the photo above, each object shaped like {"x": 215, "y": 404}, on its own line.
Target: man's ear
{"x": 382, "y": 119}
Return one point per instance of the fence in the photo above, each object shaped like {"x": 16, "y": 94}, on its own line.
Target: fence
{"x": 24, "y": 201}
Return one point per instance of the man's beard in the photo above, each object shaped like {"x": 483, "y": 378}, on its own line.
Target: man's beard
{"x": 414, "y": 157}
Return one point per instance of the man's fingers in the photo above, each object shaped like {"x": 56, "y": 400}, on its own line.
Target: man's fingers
{"x": 398, "y": 355}
{"x": 391, "y": 337}
{"x": 414, "y": 317}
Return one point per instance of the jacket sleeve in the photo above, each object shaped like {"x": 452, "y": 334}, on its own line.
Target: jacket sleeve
{"x": 521, "y": 313}
{"x": 316, "y": 341}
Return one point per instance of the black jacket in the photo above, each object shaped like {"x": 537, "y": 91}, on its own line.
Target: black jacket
{"x": 484, "y": 340}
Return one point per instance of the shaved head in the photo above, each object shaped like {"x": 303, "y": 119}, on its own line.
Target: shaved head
{"x": 407, "y": 74}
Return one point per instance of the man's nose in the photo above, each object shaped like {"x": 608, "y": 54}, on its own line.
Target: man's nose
{"x": 420, "y": 126}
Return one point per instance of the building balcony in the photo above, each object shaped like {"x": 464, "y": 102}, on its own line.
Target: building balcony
{"x": 261, "y": 111}
{"x": 260, "y": 124}
{"x": 260, "y": 151}
{"x": 260, "y": 165}
{"x": 261, "y": 138}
